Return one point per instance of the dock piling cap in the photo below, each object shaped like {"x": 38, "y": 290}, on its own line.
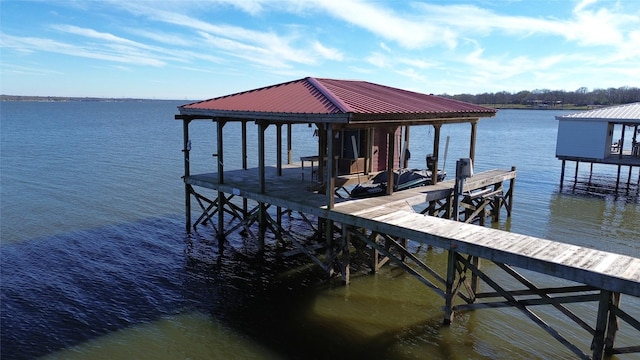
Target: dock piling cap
{"x": 464, "y": 168}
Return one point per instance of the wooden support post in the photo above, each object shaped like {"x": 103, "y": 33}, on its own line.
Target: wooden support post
{"x": 472, "y": 145}
{"x": 369, "y": 159}
{"x": 496, "y": 205}
{"x": 436, "y": 153}
{"x": 612, "y": 324}
{"x": 331, "y": 181}
{"x": 621, "y": 142}
{"x": 375, "y": 259}
{"x": 404, "y": 163}
{"x": 261, "y": 156}
{"x": 598, "y": 343}
{"x": 575, "y": 176}
{"x": 344, "y": 262}
{"x": 186, "y": 148}
{"x": 220, "y": 150}
{"x": 244, "y": 145}
{"x": 221, "y": 197}
{"x": 329, "y": 244}
{"x": 618, "y": 177}
{"x": 279, "y": 148}
{"x": 262, "y": 225}
{"x": 322, "y": 151}
{"x": 475, "y": 279}
{"x": 391, "y": 144}
{"x": 450, "y": 284}
{"x": 562, "y": 173}
{"x": 512, "y": 186}
{"x": 279, "y": 216}
{"x": 262, "y": 220}
{"x": 289, "y": 145}
{"x": 245, "y": 207}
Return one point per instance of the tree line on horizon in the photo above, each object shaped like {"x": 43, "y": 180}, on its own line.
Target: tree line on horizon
{"x": 545, "y": 97}
{"x": 581, "y": 97}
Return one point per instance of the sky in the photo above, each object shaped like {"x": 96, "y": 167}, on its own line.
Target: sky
{"x": 204, "y": 49}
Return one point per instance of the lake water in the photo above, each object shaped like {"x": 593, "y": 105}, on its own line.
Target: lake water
{"x": 96, "y": 262}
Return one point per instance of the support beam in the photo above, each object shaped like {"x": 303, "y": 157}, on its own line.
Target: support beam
{"x": 279, "y": 148}
{"x": 562, "y": 173}
{"x": 289, "y": 145}
{"x": 322, "y": 150}
{"x": 597, "y": 345}
{"x": 244, "y": 145}
{"x": 449, "y": 287}
{"x": 436, "y": 153}
{"x": 221, "y": 197}
{"x": 404, "y": 156}
{"x": 391, "y": 144}
{"x": 186, "y": 148}
{"x": 330, "y": 177}
{"x": 220, "y": 150}
{"x": 511, "y": 194}
{"x": 472, "y": 145}
{"x": 262, "y": 127}
{"x": 344, "y": 261}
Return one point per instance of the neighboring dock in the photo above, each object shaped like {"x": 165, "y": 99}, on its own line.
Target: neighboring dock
{"x": 360, "y": 127}
{"x": 588, "y": 137}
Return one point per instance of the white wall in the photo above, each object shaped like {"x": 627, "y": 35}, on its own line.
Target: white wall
{"x": 583, "y": 138}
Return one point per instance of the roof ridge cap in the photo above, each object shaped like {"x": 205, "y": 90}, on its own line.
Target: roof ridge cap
{"x": 344, "y": 107}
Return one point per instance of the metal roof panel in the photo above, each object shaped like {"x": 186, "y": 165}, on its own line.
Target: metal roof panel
{"x": 330, "y": 96}
{"x": 620, "y": 113}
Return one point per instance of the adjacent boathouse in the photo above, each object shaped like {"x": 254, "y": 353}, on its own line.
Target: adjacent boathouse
{"x": 601, "y": 136}
{"x": 361, "y": 127}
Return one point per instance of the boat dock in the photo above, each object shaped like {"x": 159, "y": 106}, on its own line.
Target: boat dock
{"x": 387, "y": 223}
{"x": 363, "y": 128}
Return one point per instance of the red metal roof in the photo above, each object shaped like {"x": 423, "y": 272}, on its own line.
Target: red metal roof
{"x": 360, "y": 100}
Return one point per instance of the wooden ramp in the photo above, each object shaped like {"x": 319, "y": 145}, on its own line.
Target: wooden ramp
{"x": 600, "y": 269}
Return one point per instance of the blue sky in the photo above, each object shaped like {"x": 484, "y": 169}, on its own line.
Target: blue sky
{"x": 203, "y": 49}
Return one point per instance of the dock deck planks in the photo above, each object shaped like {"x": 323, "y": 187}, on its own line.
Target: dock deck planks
{"x": 393, "y": 215}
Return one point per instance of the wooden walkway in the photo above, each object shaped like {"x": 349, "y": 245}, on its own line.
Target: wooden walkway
{"x": 600, "y": 276}
{"x": 394, "y": 215}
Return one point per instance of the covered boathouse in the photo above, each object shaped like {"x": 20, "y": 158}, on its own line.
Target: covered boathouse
{"x": 608, "y": 135}
{"x": 360, "y": 127}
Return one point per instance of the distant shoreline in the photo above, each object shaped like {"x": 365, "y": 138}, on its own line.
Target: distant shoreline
{"x": 77, "y": 99}
{"x": 99, "y": 99}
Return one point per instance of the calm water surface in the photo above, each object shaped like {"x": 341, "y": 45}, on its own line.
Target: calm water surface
{"x": 96, "y": 262}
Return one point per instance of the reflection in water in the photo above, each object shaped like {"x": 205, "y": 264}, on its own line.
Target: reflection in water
{"x": 592, "y": 217}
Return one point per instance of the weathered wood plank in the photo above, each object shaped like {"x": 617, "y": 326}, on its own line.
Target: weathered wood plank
{"x": 394, "y": 215}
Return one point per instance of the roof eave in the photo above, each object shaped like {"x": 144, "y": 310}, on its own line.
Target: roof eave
{"x": 194, "y": 114}
{"x": 425, "y": 117}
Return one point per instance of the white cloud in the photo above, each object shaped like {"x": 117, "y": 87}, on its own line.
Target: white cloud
{"x": 327, "y": 53}
{"x": 257, "y": 46}
{"x": 39, "y": 44}
{"x": 408, "y": 30}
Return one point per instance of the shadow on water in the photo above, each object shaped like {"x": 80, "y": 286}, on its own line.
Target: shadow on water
{"x": 62, "y": 291}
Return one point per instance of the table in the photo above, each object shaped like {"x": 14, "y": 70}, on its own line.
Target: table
{"x": 312, "y": 159}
